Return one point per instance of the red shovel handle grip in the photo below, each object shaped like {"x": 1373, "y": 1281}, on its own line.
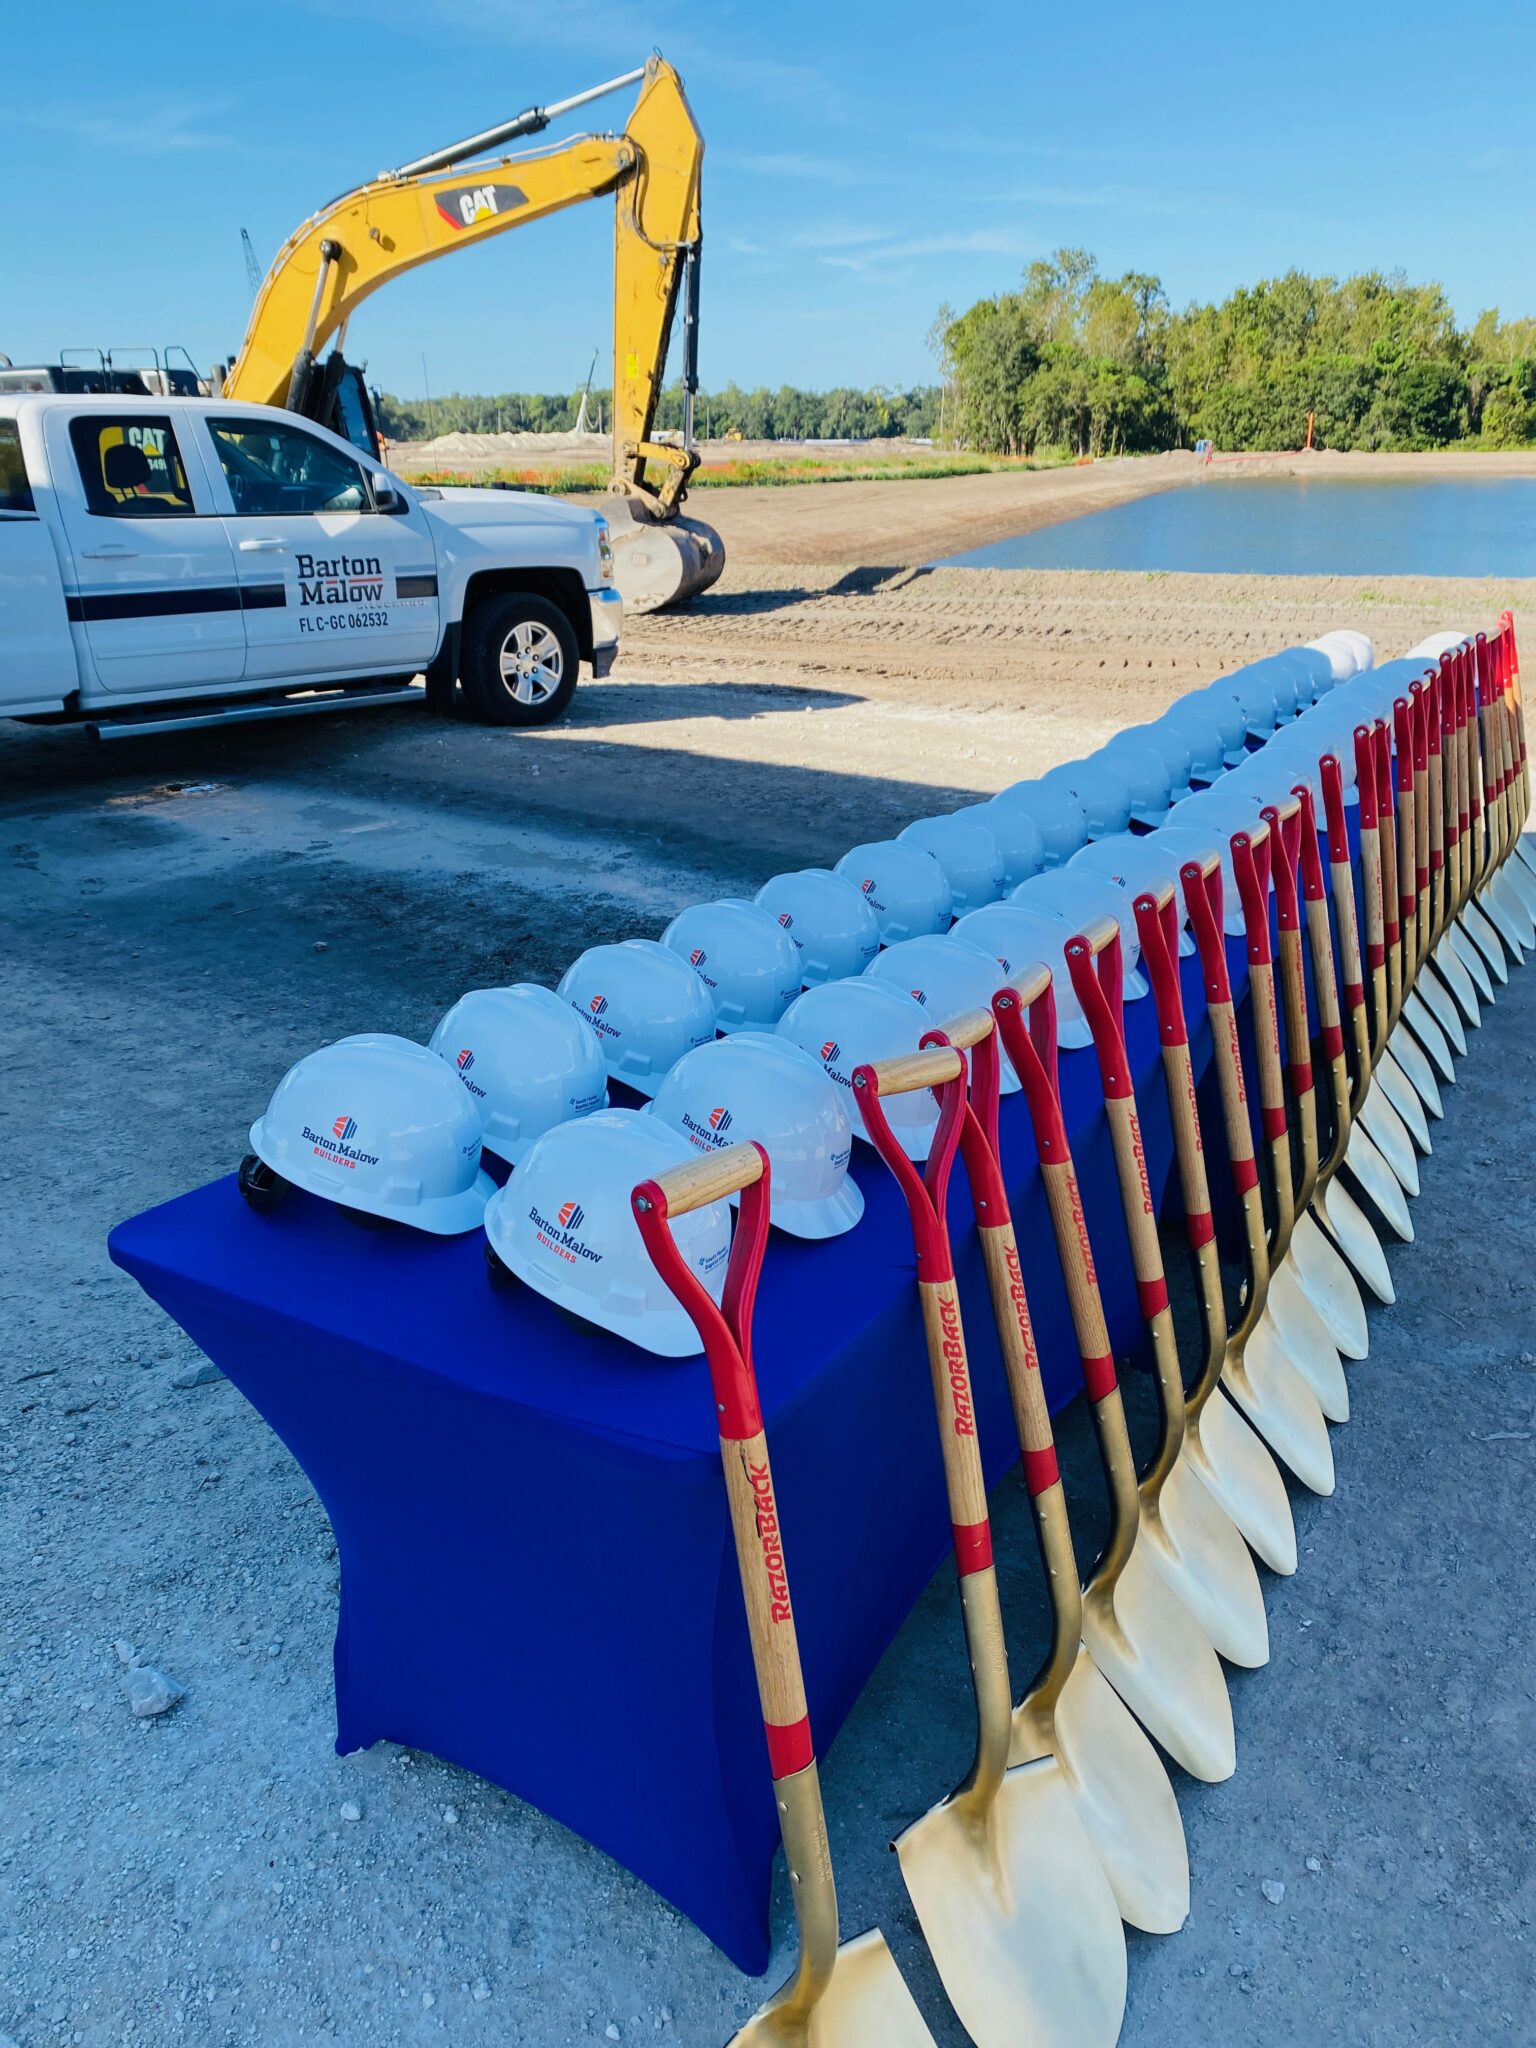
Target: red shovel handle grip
{"x": 1250, "y": 865}
{"x": 1203, "y": 897}
{"x": 726, "y": 1329}
{"x": 1157, "y": 926}
{"x": 942, "y": 1070}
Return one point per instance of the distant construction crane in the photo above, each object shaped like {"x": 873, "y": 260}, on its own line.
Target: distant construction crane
{"x": 253, "y": 270}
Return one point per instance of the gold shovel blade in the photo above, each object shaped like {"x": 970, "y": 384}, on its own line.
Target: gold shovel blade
{"x": 1423, "y": 1027}
{"x": 1509, "y": 915}
{"x": 1486, "y": 940}
{"x": 1436, "y": 997}
{"x": 1121, "y": 1792}
{"x": 1355, "y": 1235}
{"x": 1304, "y": 1338}
{"x": 1018, "y": 1916}
{"x": 1282, "y": 1408}
{"x": 1472, "y": 961}
{"x": 1379, "y": 1182}
{"x": 1236, "y": 1465}
{"x": 1447, "y": 964}
{"x": 1389, "y": 1134}
{"x": 1402, "y": 1095}
{"x": 1410, "y": 1056}
{"x": 865, "y": 2005}
{"x": 1160, "y": 1661}
{"x": 1331, "y": 1287}
{"x": 1194, "y": 1545}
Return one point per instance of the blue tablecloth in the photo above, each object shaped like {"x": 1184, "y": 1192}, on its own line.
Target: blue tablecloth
{"x": 537, "y": 1574}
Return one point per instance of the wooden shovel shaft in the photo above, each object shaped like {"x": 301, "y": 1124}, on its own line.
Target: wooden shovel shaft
{"x": 754, "y": 1514}
{"x": 963, "y": 1477}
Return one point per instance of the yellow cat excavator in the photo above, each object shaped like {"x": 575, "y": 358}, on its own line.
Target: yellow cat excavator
{"x": 464, "y": 194}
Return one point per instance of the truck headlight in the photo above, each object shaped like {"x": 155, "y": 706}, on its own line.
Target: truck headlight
{"x": 605, "y": 549}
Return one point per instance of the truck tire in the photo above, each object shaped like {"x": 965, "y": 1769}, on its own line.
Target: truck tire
{"x": 520, "y": 662}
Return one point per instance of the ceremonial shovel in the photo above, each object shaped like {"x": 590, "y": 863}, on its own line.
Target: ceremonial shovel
{"x": 1014, "y": 1904}
{"x": 1070, "y": 1711}
{"x": 1259, "y": 1377}
{"x": 1225, "y": 1452}
{"x": 1145, "y": 1641}
{"x": 842, "y": 1995}
{"x": 1189, "y": 1539}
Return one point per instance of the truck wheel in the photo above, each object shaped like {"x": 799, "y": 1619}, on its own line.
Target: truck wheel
{"x": 520, "y": 661}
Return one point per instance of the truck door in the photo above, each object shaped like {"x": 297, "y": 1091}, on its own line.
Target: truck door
{"x": 332, "y": 585}
{"x": 154, "y": 591}
{"x": 37, "y": 652}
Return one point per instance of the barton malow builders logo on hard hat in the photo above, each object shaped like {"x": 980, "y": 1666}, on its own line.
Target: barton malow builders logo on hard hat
{"x": 597, "y": 1005}
{"x": 465, "y": 1061}
{"x": 720, "y": 1119}
{"x": 344, "y": 1127}
{"x": 571, "y": 1214}
{"x": 697, "y": 957}
{"x": 830, "y": 1049}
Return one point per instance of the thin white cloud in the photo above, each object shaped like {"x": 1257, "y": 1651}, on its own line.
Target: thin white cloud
{"x": 880, "y": 254}
{"x": 1106, "y": 198}
{"x": 151, "y": 132}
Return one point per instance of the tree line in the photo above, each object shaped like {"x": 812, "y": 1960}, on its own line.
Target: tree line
{"x": 1094, "y": 365}
{"x": 787, "y": 414}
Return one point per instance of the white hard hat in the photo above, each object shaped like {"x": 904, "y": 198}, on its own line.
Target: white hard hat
{"x": 1103, "y": 794}
{"x": 1223, "y": 811}
{"x": 966, "y": 848}
{"x": 1349, "y": 652}
{"x": 1198, "y": 725}
{"x": 903, "y": 885}
{"x": 1056, "y": 812}
{"x": 563, "y": 1224}
{"x": 744, "y": 957}
{"x": 1175, "y": 749}
{"x": 527, "y": 1061}
{"x": 948, "y": 976}
{"x": 646, "y": 1005}
{"x": 1018, "y": 838}
{"x": 1254, "y": 688}
{"x": 1135, "y": 862}
{"x": 1077, "y": 898}
{"x": 845, "y": 1023}
{"x": 378, "y": 1124}
{"x": 759, "y": 1085}
{"x": 1433, "y": 645}
{"x": 1126, "y": 781}
{"x": 1318, "y": 667}
{"x": 827, "y": 917}
{"x": 1018, "y": 939}
{"x": 1226, "y": 708}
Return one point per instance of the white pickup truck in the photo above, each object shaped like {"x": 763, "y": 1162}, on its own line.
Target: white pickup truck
{"x": 175, "y": 562}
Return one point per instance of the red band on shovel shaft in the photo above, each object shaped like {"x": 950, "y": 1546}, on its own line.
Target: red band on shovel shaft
{"x": 789, "y": 1746}
{"x": 973, "y": 1547}
{"x": 1100, "y": 1377}
{"x": 1301, "y": 1076}
{"x": 1041, "y": 1471}
{"x": 1332, "y": 1037}
{"x": 1273, "y": 1121}
{"x": 1153, "y": 1296}
{"x": 1245, "y": 1176}
{"x": 1199, "y": 1228}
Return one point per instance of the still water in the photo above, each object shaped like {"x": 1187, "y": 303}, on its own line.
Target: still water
{"x": 1288, "y": 527}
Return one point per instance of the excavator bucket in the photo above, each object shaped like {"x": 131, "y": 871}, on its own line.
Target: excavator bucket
{"x": 657, "y": 565}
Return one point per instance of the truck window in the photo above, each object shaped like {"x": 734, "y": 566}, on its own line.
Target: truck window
{"x": 15, "y": 491}
{"x": 274, "y": 468}
{"x": 131, "y": 466}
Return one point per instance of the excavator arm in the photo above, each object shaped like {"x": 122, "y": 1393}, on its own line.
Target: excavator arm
{"x": 457, "y": 197}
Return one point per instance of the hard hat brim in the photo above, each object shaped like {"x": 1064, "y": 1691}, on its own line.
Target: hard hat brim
{"x": 827, "y": 1216}
{"x": 438, "y": 1215}
{"x": 668, "y": 1333}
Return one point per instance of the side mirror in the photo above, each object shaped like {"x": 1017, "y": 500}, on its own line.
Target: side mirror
{"x": 386, "y": 496}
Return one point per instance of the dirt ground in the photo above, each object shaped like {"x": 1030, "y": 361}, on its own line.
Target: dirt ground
{"x": 185, "y": 916}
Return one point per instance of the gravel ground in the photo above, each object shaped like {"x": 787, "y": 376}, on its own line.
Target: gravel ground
{"x": 182, "y": 918}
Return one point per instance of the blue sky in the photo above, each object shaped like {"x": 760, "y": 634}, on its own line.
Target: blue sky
{"x": 865, "y": 163}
